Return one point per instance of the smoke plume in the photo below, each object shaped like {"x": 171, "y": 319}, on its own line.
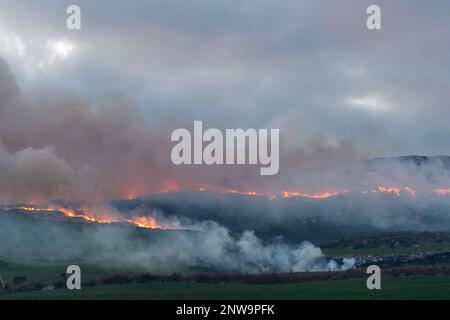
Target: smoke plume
{"x": 201, "y": 246}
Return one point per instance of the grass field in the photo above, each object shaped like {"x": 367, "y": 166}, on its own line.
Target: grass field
{"x": 392, "y": 288}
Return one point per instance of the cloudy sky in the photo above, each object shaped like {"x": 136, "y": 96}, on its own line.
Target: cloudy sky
{"x": 99, "y": 104}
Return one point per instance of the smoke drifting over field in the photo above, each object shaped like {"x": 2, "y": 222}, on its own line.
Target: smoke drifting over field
{"x": 298, "y": 218}
{"x": 207, "y": 246}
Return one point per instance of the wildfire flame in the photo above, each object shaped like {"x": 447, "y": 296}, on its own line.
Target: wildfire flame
{"x": 245, "y": 193}
{"x": 393, "y": 190}
{"x": 145, "y": 222}
{"x": 442, "y": 192}
{"x": 152, "y": 223}
{"x": 140, "y": 221}
{"x": 85, "y": 216}
{"x": 325, "y": 195}
{"x": 387, "y": 189}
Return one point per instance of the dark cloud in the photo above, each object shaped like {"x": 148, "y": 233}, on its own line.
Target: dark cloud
{"x": 8, "y": 86}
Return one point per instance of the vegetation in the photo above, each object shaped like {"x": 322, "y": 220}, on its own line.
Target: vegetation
{"x": 392, "y": 288}
{"x": 428, "y": 279}
{"x": 407, "y": 242}
{"x": 432, "y": 281}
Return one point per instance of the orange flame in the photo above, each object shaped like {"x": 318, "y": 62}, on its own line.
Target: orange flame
{"x": 244, "y": 193}
{"x": 171, "y": 186}
{"x": 325, "y": 195}
{"x": 145, "y": 222}
{"x": 392, "y": 190}
{"x": 442, "y": 192}
{"x": 152, "y": 223}
{"x": 85, "y": 216}
{"x": 140, "y": 222}
{"x": 397, "y": 190}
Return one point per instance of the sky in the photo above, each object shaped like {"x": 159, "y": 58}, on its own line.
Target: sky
{"x": 94, "y": 108}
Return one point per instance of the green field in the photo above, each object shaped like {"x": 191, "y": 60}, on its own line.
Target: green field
{"x": 392, "y": 288}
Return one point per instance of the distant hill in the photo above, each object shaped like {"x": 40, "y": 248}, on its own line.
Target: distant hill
{"x": 298, "y": 218}
{"x": 413, "y": 159}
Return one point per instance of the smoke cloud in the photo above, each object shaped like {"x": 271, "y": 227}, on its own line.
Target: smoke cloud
{"x": 55, "y": 146}
{"x": 206, "y": 246}
{"x": 298, "y": 219}
{"x": 58, "y": 146}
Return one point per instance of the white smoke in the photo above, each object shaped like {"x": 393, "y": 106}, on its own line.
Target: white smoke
{"x": 205, "y": 246}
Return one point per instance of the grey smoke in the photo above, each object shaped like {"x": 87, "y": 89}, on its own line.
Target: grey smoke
{"x": 57, "y": 146}
{"x": 54, "y": 145}
{"x": 208, "y": 246}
